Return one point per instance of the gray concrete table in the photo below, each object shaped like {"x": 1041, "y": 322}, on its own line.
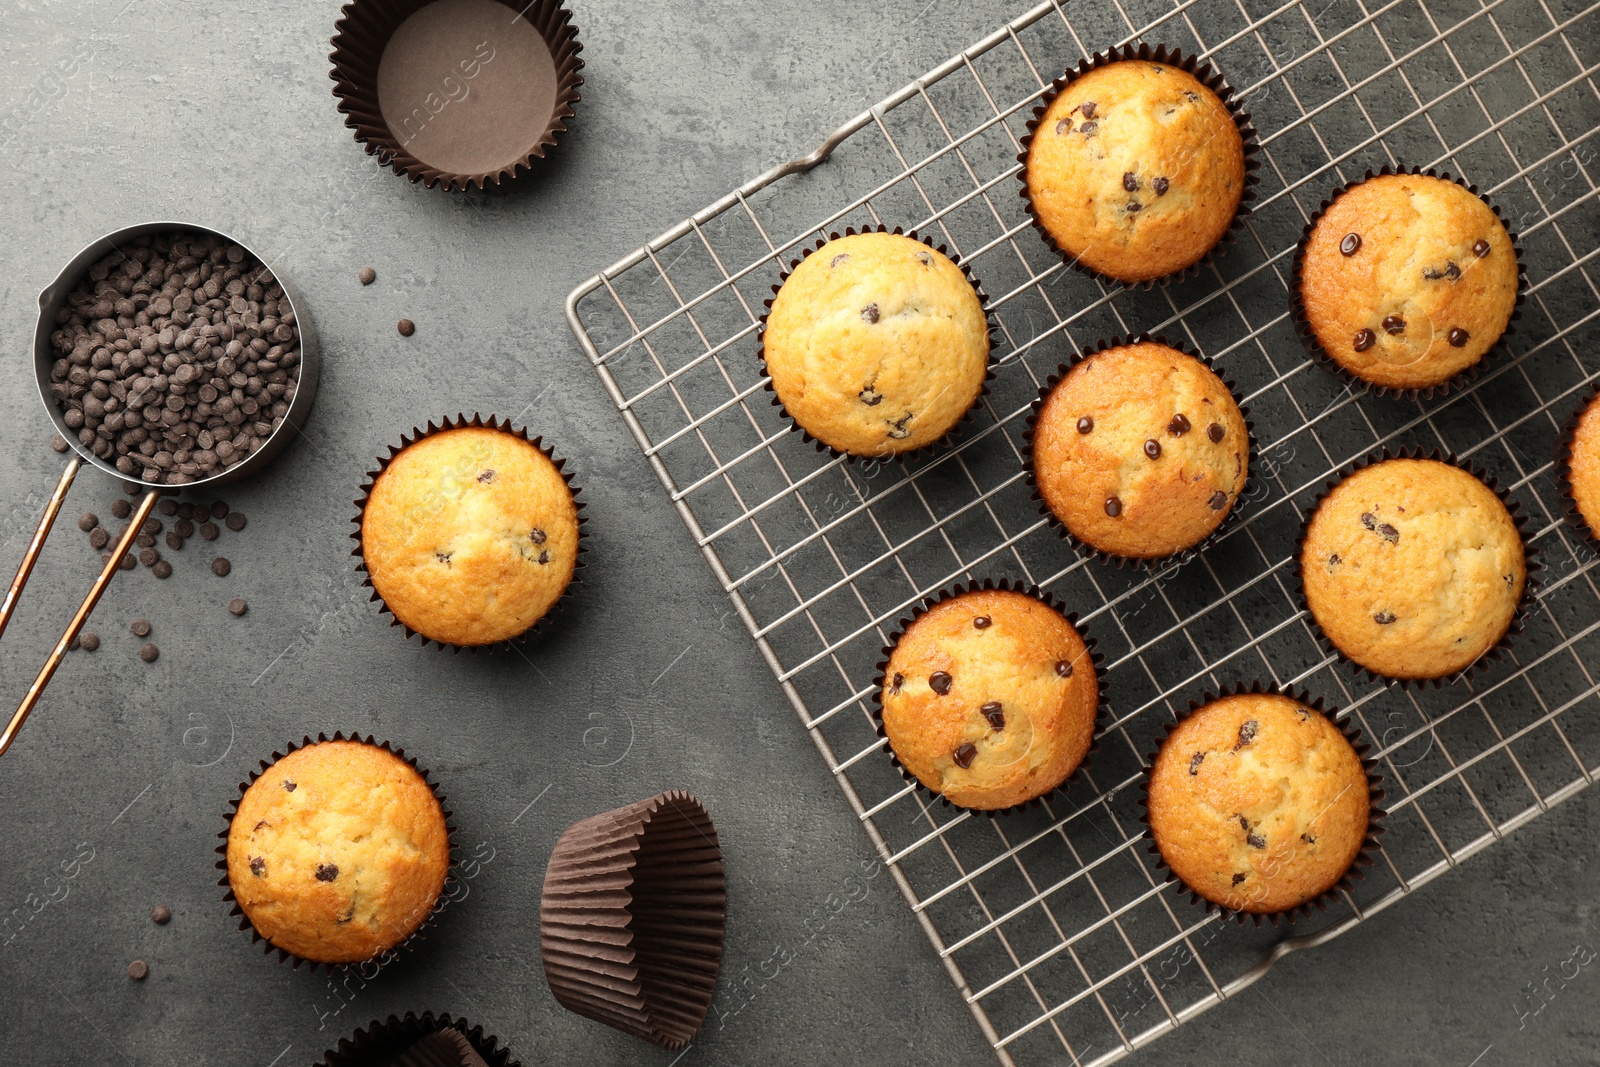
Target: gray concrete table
{"x": 116, "y": 111}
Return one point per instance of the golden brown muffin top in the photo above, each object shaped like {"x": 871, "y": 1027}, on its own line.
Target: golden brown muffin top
{"x": 470, "y": 535}
{"x": 1583, "y": 468}
{"x": 1408, "y": 280}
{"x": 877, "y": 344}
{"x": 1140, "y": 450}
{"x": 1413, "y": 568}
{"x": 338, "y": 851}
{"x": 1136, "y": 168}
{"x": 989, "y": 699}
{"x": 1258, "y": 803}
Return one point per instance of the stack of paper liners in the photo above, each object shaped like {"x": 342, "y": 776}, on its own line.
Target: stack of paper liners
{"x": 632, "y": 916}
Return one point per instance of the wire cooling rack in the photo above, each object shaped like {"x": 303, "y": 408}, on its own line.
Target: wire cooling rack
{"x": 1054, "y": 924}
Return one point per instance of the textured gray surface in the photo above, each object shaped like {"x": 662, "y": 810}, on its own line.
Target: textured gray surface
{"x": 222, "y": 114}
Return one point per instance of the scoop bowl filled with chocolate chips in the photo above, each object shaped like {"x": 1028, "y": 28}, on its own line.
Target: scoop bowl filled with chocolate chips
{"x": 167, "y": 355}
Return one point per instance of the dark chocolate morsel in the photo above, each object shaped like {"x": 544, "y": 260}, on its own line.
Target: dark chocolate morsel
{"x": 838, "y": 259}
{"x": 1351, "y": 244}
{"x": 1063, "y": 668}
{"x": 1160, "y": 186}
{"x": 140, "y": 627}
{"x": 406, "y": 327}
{"x": 1247, "y": 732}
{"x": 1064, "y": 126}
{"x": 1369, "y": 520}
{"x": 1179, "y": 425}
{"x": 327, "y": 872}
{"x": 995, "y": 714}
{"x": 1308, "y": 839}
{"x": 1390, "y": 534}
{"x": 138, "y": 970}
{"x": 1383, "y": 618}
{"x": 1130, "y": 182}
{"x": 1393, "y": 324}
{"x": 1152, "y": 448}
{"x": 1113, "y": 506}
{"x": 1237, "y": 879}
{"x": 1085, "y": 424}
{"x": 1255, "y": 841}
{"x": 1219, "y": 500}
{"x": 258, "y": 866}
{"x": 899, "y": 679}
{"x": 162, "y": 569}
{"x": 870, "y": 397}
{"x": 870, "y": 313}
{"x": 1480, "y": 248}
{"x": 88, "y": 521}
{"x": 1133, "y": 206}
{"x": 1364, "y": 340}
{"x": 1088, "y": 129}
{"x": 1195, "y": 761}
{"x": 161, "y": 914}
{"x": 236, "y": 520}
{"x": 1087, "y": 107}
{"x": 366, "y": 275}
{"x": 1215, "y": 432}
{"x": 149, "y": 652}
{"x": 1458, "y": 337}
{"x": 982, "y": 622}
{"x": 221, "y": 567}
{"x": 965, "y": 755}
{"x": 940, "y": 682}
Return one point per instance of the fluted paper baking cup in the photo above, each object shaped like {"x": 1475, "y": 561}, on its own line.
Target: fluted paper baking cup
{"x": 383, "y": 1043}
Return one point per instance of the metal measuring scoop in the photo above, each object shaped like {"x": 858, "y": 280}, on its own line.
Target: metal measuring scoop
{"x": 51, "y": 301}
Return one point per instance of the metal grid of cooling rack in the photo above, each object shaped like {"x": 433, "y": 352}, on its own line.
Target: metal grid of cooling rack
{"x": 1053, "y": 924}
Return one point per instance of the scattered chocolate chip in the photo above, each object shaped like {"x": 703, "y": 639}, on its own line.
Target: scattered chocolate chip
{"x": 138, "y": 969}
{"x": 209, "y": 531}
{"x": 149, "y": 557}
{"x": 168, "y": 506}
{"x": 1134, "y": 206}
{"x": 870, "y": 397}
{"x": 1333, "y": 560}
{"x": 1393, "y": 324}
{"x": 1194, "y": 763}
{"x": 1113, "y": 506}
{"x": 1179, "y": 425}
{"x": 1237, "y": 879}
{"x": 1215, "y": 432}
{"x": 1243, "y": 822}
{"x": 237, "y": 606}
{"x": 59, "y": 443}
{"x": 1085, "y": 424}
{"x": 995, "y": 714}
{"x": 838, "y": 259}
{"x": 1218, "y": 501}
{"x": 289, "y": 786}
{"x": 149, "y": 653}
{"x": 98, "y": 538}
{"x": 940, "y": 682}
{"x": 89, "y": 640}
{"x": 174, "y": 541}
{"x": 128, "y": 562}
{"x": 869, "y": 314}
{"x": 1152, "y": 448}
{"x": 1247, "y": 732}
{"x": 152, "y": 526}
{"x": 1458, "y": 337}
{"x": 1365, "y": 339}
{"x": 327, "y": 872}
{"x": 1088, "y": 129}
{"x": 1351, "y": 244}
{"x": 899, "y": 680}
{"x": 88, "y": 521}
{"x": 367, "y": 275}
{"x": 1087, "y": 107}
{"x": 183, "y": 527}
{"x": 258, "y": 866}
{"x": 1390, "y": 534}
{"x": 538, "y": 536}
{"x": 1383, "y": 618}
{"x": 220, "y": 567}
{"x": 162, "y": 569}
{"x": 218, "y": 510}
{"x": 982, "y": 622}
{"x": 1480, "y": 248}
{"x": 406, "y": 327}
{"x": 140, "y": 627}
{"x": 1064, "y": 126}
{"x": 161, "y": 914}
{"x": 1130, "y": 182}
{"x": 121, "y": 509}
{"x": 965, "y": 755}
{"x": 1063, "y": 668}
{"x": 544, "y": 557}
{"x": 131, "y": 488}
{"x": 1160, "y": 186}
{"x": 1369, "y": 520}
{"x": 144, "y": 540}
{"x": 236, "y": 520}
{"x": 1255, "y": 841}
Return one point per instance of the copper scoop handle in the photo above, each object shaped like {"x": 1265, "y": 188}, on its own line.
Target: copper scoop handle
{"x": 36, "y": 690}
{"x": 30, "y": 557}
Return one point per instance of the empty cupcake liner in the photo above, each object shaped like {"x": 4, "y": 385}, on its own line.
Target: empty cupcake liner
{"x": 383, "y": 958}
{"x": 1364, "y": 858}
{"x": 1564, "y": 444}
{"x": 381, "y": 1042}
{"x": 632, "y": 915}
{"x": 1212, "y": 79}
{"x": 457, "y": 423}
{"x": 1050, "y": 600}
{"x": 362, "y": 33}
{"x": 1182, "y": 556}
{"x": 1308, "y": 337}
{"x": 960, "y": 425}
{"x": 1530, "y": 582}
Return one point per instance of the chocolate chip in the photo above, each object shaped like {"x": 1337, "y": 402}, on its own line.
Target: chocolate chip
{"x": 209, "y": 531}
{"x": 1160, "y": 186}
{"x": 59, "y": 443}
{"x": 1255, "y": 841}
{"x": 1215, "y": 432}
{"x": 161, "y": 915}
{"x": 1393, "y": 324}
{"x": 1133, "y": 206}
{"x": 137, "y": 970}
{"x": 89, "y": 640}
{"x": 1064, "y": 126}
{"x": 237, "y": 606}
{"x": 1085, "y": 424}
{"x": 98, "y": 538}
{"x": 406, "y": 327}
{"x": 162, "y": 569}
{"x": 838, "y": 259}
{"x": 1390, "y": 534}
{"x": 236, "y": 520}
{"x": 149, "y": 557}
{"x": 965, "y": 755}
{"x": 1458, "y": 337}
{"x": 367, "y": 275}
{"x": 1063, "y": 668}
{"x": 183, "y": 528}
{"x": 1218, "y": 501}
{"x": 1365, "y": 339}
{"x": 127, "y": 562}
{"x": 537, "y": 536}
{"x": 899, "y": 680}
{"x": 1308, "y": 839}
{"x": 327, "y": 872}
{"x": 131, "y": 488}
{"x": 1178, "y": 426}
{"x": 149, "y": 653}
{"x": 940, "y": 682}
{"x": 1152, "y": 448}
{"x": 1237, "y": 879}
{"x": 168, "y": 506}
{"x": 1130, "y": 182}
{"x": 290, "y": 786}
{"x": 925, "y": 259}
{"x": 1451, "y": 271}
{"x": 1480, "y": 248}
{"x": 152, "y": 526}
{"x": 218, "y": 510}
{"x": 1192, "y": 97}
{"x": 1383, "y": 618}
{"x": 1243, "y": 822}
{"x": 88, "y": 521}
{"x": 1113, "y": 506}
{"x": 140, "y": 627}
{"x": 1333, "y": 560}
{"x": 870, "y": 397}
{"x": 121, "y": 509}
{"x": 1351, "y": 244}
{"x": 898, "y": 429}
{"x": 258, "y": 866}
{"x": 544, "y": 557}
{"x": 1087, "y": 107}
{"x": 1088, "y": 129}
{"x": 982, "y": 622}
{"x": 220, "y": 567}
{"x": 995, "y": 714}
{"x": 869, "y": 313}
{"x": 1247, "y": 732}
{"x": 1194, "y": 763}
{"x": 144, "y": 540}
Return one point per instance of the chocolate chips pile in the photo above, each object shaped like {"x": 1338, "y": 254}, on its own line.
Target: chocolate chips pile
{"x": 188, "y": 520}
{"x": 177, "y": 355}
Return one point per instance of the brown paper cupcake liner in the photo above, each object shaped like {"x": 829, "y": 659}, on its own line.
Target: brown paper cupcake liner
{"x": 960, "y": 426}
{"x": 1212, "y": 79}
{"x": 457, "y": 423}
{"x": 1569, "y": 429}
{"x": 388, "y": 955}
{"x": 381, "y": 1042}
{"x": 364, "y": 30}
{"x": 632, "y": 916}
{"x": 1308, "y": 337}
{"x": 1369, "y": 845}
{"x": 1530, "y": 565}
{"x": 1050, "y": 600}
{"x": 1184, "y": 555}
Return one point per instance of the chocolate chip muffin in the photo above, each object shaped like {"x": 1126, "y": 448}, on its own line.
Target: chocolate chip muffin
{"x": 1582, "y": 465}
{"x": 877, "y": 344}
{"x": 1413, "y": 568}
{"x": 1135, "y": 169}
{"x": 338, "y": 852}
{"x": 1406, "y": 280}
{"x": 470, "y": 535}
{"x": 989, "y": 698}
{"x": 1139, "y": 450}
{"x": 1258, "y": 803}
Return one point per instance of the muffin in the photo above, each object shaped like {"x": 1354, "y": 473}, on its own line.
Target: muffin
{"x": 338, "y": 852}
{"x": 1135, "y": 169}
{"x": 1413, "y": 568}
{"x": 470, "y": 535}
{"x": 1406, "y": 280}
{"x": 989, "y": 698}
{"x": 1139, "y": 450}
{"x": 1581, "y": 465}
{"x": 877, "y": 344}
{"x": 1258, "y": 803}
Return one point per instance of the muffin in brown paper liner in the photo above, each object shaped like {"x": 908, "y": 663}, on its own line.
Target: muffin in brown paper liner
{"x": 383, "y": 958}
{"x": 382, "y": 1042}
{"x": 1530, "y": 565}
{"x": 1375, "y": 794}
{"x": 476, "y": 422}
{"x": 631, "y": 918}
{"x": 959, "y": 427}
{"x": 428, "y": 65}
{"x": 1182, "y": 556}
{"x": 1096, "y": 657}
{"x": 1564, "y": 459}
{"x": 1212, "y": 79}
{"x": 1459, "y": 381}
